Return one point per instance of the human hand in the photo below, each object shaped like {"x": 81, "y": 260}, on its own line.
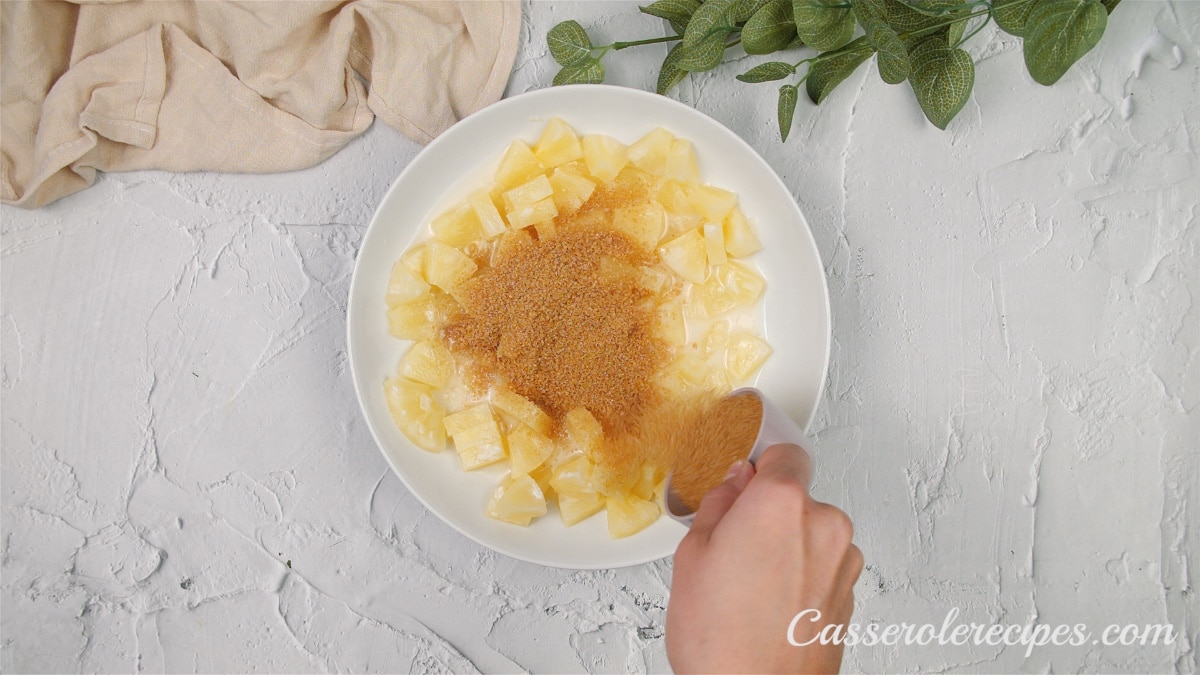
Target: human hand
{"x": 761, "y": 550}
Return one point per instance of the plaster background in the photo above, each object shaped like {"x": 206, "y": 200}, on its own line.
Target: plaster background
{"x": 1010, "y": 418}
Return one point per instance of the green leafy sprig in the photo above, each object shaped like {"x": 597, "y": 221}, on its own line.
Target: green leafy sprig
{"x": 918, "y": 41}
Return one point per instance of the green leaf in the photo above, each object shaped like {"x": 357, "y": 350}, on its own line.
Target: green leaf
{"x": 1012, "y": 15}
{"x": 672, "y": 10}
{"x": 893, "y": 57}
{"x": 822, "y": 27}
{"x": 903, "y": 18}
{"x": 1059, "y": 33}
{"x": 942, "y": 79}
{"x": 1110, "y": 5}
{"x": 768, "y": 72}
{"x": 712, "y": 18}
{"x": 670, "y": 74}
{"x": 704, "y": 55}
{"x": 680, "y": 27}
{"x": 770, "y": 29}
{"x": 954, "y": 32}
{"x": 588, "y": 72}
{"x": 788, "y": 94}
{"x": 870, "y": 12}
{"x": 831, "y": 71}
{"x": 744, "y": 9}
{"x": 569, "y": 43}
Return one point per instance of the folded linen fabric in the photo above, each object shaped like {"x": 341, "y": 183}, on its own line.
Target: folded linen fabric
{"x": 231, "y": 86}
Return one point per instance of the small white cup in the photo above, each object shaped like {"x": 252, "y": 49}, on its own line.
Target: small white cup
{"x": 775, "y": 428}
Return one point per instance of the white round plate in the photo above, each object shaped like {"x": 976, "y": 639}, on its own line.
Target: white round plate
{"x": 796, "y": 311}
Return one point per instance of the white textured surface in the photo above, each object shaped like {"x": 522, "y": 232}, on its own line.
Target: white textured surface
{"x": 1011, "y": 416}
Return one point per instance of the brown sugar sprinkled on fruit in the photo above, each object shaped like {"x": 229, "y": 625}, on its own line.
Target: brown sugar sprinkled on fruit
{"x": 563, "y": 331}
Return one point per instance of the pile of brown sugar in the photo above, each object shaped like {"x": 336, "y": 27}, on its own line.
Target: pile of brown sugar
{"x": 708, "y": 438}
{"x": 557, "y": 326}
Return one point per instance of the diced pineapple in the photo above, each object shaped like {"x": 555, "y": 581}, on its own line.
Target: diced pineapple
{"x": 645, "y": 223}
{"x": 575, "y": 476}
{"x": 545, "y": 229}
{"x": 476, "y": 436}
{"x": 527, "y": 449}
{"x": 673, "y": 196}
{"x": 730, "y": 285}
{"x": 570, "y": 190}
{"x": 524, "y": 195}
{"x": 533, "y": 214}
{"x": 648, "y": 482}
{"x": 712, "y": 202}
{"x": 717, "y": 380}
{"x": 517, "y": 500}
{"x": 558, "y": 144}
{"x": 681, "y": 162}
{"x": 415, "y": 320}
{"x": 446, "y": 266}
{"x": 574, "y": 508}
{"x": 686, "y": 255}
{"x": 745, "y": 354}
{"x": 457, "y": 227}
{"x": 605, "y": 156}
{"x": 715, "y": 340}
{"x": 714, "y": 243}
{"x": 656, "y": 281}
{"x": 489, "y": 216}
{"x": 583, "y": 430}
{"x": 649, "y": 153}
{"x": 517, "y": 166}
{"x": 671, "y": 326}
{"x": 416, "y": 413}
{"x": 414, "y": 260}
{"x": 427, "y": 362}
{"x": 684, "y": 376}
{"x": 523, "y": 410}
{"x": 629, "y": 514}
{"x": 403, "y": 285}
{"x": 740, "y": 240}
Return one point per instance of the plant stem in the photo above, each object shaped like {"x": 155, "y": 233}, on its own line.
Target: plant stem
{"x": 626, "y": 45}
{"x": 937, "y": 27}
{"x": 976, "y": 30}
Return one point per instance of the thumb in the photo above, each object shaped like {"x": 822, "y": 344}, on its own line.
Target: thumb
{"x": 719, "y": 499}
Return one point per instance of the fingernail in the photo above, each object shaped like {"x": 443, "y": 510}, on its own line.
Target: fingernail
{"x": 736, "y": 469}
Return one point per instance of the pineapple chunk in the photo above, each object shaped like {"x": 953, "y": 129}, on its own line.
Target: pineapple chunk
{"x": 629, "y": 514}
{"x": 508, "y": 244}
{"x": 574, "y": 508}
{"x": 673, "y": 196}
{"x": 681, "y": 162}
{"x": 645, "y": 223}
{"x": 649, "y": 153}
{"x": 684, "y": 376}
{"x": 730, "y": 285}
{"x": 583, "y": 430}
{"x": 534, "y": 214}
{"x": 605, "y": 156}
{"x": 524, "y": 195}
{"x": 575, "y": 476}
{"x": 527, "y": 449}
{"x": 414, "y": 260}
{"x": 517, "y": 166}
{"x": 427, "y": 362}
{"x": 672, "y": 328}
{"x": 558, "y": 144}
{"x": 657, "y": 281}
{"x": 489, "y": 216}
{"x": 416, "y": 413}
{"x": 745, "y": 354}
{"x": 545, "y": 229}
{"x": 416, "y": 320}
{"x": 716, "y": 340}
{"x": 714, "y": 243}
{"x": 517, "y": 500}
{"x": 476, "y": 436}
{"x": 523, "y": 410}
{"x": 446, "y": 266}
{"x": 403, "y": 285}
{"x": 648, "y": 484}
{"x": 570, "y": 190}
{"x": 740, "y": 240}
{"x": 712, "y": 202}
{"x": 457, "y": 227}
{"x": 686, "y": 255}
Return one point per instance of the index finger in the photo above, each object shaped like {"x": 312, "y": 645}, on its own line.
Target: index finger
{"x": 788, "y": 461}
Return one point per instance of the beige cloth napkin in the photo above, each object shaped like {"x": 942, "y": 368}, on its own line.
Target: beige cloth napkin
{"x": 231, "y": 86}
